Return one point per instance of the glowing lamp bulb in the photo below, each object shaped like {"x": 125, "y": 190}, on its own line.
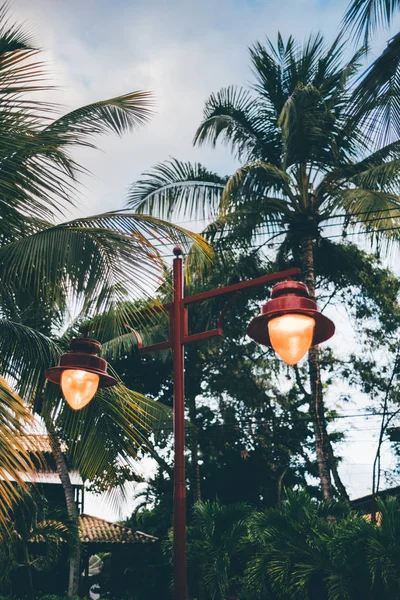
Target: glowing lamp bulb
{"x": 291, "y": 336}
{"x": 78, "y": 387}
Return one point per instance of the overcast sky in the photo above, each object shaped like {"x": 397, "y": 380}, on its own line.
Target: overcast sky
{"x": 182, "y": 50}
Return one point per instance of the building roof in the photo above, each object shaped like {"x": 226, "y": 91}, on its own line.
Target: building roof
{"x": 45, "y": 470}
{"x": 39, "y": 477}
{"x": 98, "y": 531}
{"x": 364, "y": 504}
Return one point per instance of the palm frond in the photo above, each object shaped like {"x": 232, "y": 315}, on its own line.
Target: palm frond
{"x": 38, "y": 176}
{"x": 360, "y": 203}
{"x": 25, "y": 355}
{"x": 236, "y": 118}
{"x": 272, "y": 178}
{"x": 177, "y": 188}
{"x": 98, "y": 261}
{"x": 37, "y": 171}
{"x": 375, "y": 102}
{"x": 385, "y": 208}
{"x": 20, "y": 73}
{"x": 116, "y": 115}
{"x": 14, "y": 447}
{"x": 367, "y": 16}
{"x": 269, "y": 66}
{"x": 385, "y": 176}
{"x": 111, "y": 430}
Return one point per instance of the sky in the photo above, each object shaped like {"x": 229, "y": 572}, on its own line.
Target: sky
{"x": 181, "y": 50}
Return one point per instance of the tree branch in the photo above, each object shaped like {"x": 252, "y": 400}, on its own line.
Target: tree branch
{"x": 300, "y": 383}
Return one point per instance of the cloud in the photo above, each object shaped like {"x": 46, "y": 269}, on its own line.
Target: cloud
{"x": 181, "y": 50}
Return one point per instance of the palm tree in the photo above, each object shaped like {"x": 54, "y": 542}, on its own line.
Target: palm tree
{"x": 303, "y": 134}
{"x": 48, "y": 268}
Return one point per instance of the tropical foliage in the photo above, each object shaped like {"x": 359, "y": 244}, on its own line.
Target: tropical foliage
{"x": 367, "y": 16}
{"x": 34, "y": 542}
{"x": 317, "y": 139}
{"x": 248, "y": 435}
{"x": 301, "y": 550}
{"x": 54, "y": 271}
{"x": 93, "y": 263}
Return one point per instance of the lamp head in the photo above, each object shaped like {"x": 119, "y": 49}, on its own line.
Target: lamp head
{"x": 290, "y": 322}
{"x": 81, "y": 372}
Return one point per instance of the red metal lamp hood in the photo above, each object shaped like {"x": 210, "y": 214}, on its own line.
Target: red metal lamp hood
{"x": 291, "y": 299}
{"x": 81, "y": 372}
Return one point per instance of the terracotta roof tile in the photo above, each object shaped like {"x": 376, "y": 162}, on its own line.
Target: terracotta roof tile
{"x": 95, "y": 530}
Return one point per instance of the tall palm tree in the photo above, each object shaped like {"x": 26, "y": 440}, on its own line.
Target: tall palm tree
{"x": 50, "y": 268}
{"x": 303, "y": 135}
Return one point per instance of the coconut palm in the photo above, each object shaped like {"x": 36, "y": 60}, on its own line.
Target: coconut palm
{"x": 303, "y": 135}
{"x": 51, "y": 267}
{"x": 305, "y": 159}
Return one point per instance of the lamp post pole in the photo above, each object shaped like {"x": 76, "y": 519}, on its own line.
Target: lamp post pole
{"x": 179, "y": 511}
{"x": 178, "y": 337}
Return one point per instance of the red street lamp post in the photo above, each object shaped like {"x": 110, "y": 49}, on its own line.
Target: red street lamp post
{"x": 290, "y": 322}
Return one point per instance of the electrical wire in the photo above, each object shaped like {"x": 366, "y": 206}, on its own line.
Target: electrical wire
{"x": 338, "y": 216}
{"x": 263, "y": 228}
{"x": 284, "y": 232}
{"x": 306, "y": 418}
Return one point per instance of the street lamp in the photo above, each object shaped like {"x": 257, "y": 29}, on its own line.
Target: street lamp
{"x": 290, "y": 322}
{"x": 81, "y": 372}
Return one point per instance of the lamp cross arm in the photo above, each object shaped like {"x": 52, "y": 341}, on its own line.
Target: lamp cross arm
{"x": 229, "y": 289}
{"x": 242, "y": 285}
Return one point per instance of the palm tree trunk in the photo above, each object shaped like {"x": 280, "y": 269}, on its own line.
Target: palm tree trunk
{"x": 318, "y": 419}
{"x": 62, "y": 470}
{"x": 31, "y": 593}
{"x": 317, "y": 411}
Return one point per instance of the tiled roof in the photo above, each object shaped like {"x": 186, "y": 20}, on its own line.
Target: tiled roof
{"x": 95, "y": 530}
{"x": 364, "y": 504}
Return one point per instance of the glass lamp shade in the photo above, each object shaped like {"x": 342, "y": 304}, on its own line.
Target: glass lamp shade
{"x": 291, "y": 336}
{"x": 78, "y": 387}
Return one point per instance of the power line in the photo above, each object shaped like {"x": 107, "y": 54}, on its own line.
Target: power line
{"x": 240, "y": 424}
{"x": 276, "y": 244}
{"x": 263, "y": 231}
{"x": 338, "y": 216}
